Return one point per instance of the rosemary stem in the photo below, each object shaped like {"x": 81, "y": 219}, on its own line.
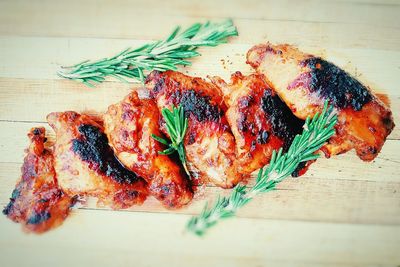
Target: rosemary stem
{"x": 134, "y": 64}
{"x": 315, "y": 133}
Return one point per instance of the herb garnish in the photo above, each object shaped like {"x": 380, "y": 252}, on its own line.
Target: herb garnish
{"x": 176, "y": 124}
{"x": 315, "y": 133}
{"x": 160, "y": 55}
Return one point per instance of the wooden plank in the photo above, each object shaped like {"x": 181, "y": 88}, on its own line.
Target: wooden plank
{"x": 32, "y": 100}
{"x": 343, "y": 212}
{"x": 330, "y": 35}
{"x": 121, "y": 238}
{"x": 111, "y": 19}
{"x": 15, "y": 141}
{"x": 372, "y": 2}
{"x": 317, "y": 196}
{"x": 374, "y": 67}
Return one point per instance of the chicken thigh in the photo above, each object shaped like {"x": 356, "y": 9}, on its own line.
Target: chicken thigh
{"x": 304, "y": 82}
{"x": 129, "y": 126}
{"x": 37, "y": 202}
{"x": 209, "y": 143}
{"x": 85, "y": 164}
{"x": 259, "y": 120}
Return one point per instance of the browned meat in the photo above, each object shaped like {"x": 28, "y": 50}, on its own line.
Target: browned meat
{"x": 209, "y": 143}
{"x": 85, "y": 164}
{"x": 304, "y": 82}
{"x": 259, "y": 120}
{"x": 129, "y": 126}
{"x": 37, "y": 202}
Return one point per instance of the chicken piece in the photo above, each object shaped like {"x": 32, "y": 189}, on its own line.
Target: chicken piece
{"x": 37, "y": 202}
{"x": 259, "y": 120}
{"x": 209, "y": 143}
{"x": 129, "y": 126}
{"x": 85, "y": 164}
{"x": 304, "y": 82}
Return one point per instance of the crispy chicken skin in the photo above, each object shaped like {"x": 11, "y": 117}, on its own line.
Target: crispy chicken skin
{"x": 37, "y": 202}
{"x": 304, "y": 82}
{"x": 209, "y": 143}
{"x": 85, "y": 164}
{"x": 259, "y": 120}
{"x": 129, "y": 126}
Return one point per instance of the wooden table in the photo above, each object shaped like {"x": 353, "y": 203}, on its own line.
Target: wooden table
{"x": 343, "y": 212}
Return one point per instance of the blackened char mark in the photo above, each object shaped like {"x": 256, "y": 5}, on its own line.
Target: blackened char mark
{"x": 15, "y": 194}
{"x": 388, "y": 121}
{"x": 37, "y": 131}
{"x": 94, "y": 148}
{"x": 158, "y": 87}
{"x": 37, "y": 218}
{"x": 336, "y": 85}
{"x": 299, "y": 169}
{"x": 283, "y": 123}
{"x": 8, "y": 207}
{"x": 262, "y": 137}
{"x": 198, "y": 105}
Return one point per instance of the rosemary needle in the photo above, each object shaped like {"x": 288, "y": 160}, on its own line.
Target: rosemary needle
{"x": 316, "y": 132}
{"x": 176, "y": 124}
{"x": 132, "y": 64}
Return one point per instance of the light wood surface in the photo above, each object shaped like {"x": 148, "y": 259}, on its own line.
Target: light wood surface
{"x": 343, "y": 212}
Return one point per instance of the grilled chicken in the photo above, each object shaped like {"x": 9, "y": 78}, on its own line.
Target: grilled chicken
{"x": 37, "y": 202}
{"x": 304, "y": 82}
{"x": 259, "y": 120}
{"x": 85, "y": 164}
{"x": 209, "y": 143}
{"x": 129, "y": 126}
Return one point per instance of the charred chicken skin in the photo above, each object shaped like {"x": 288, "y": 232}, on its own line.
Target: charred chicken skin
{"x": 259, "y": 120}
{"x": 37, "y": 202}
{"x": 209, "y": 143}
{"x": 304, "y": 82}
{"x": 129, "y": 126}
{"x": 85, "y": 164}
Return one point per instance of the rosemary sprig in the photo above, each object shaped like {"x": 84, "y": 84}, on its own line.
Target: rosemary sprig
{"x": 176, "y": 124}
{"x": 160, "y": 55}
{"x": 315, "y": 133}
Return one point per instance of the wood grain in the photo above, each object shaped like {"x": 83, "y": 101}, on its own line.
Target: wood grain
{"x": 18, "y": 61}
{"x": 59, "y": 95}
{"x": 343, "y": 212}
{"x": 334, "y": 23}
{"x": 308, "y": 198}
{"x": 148, "y": 239}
